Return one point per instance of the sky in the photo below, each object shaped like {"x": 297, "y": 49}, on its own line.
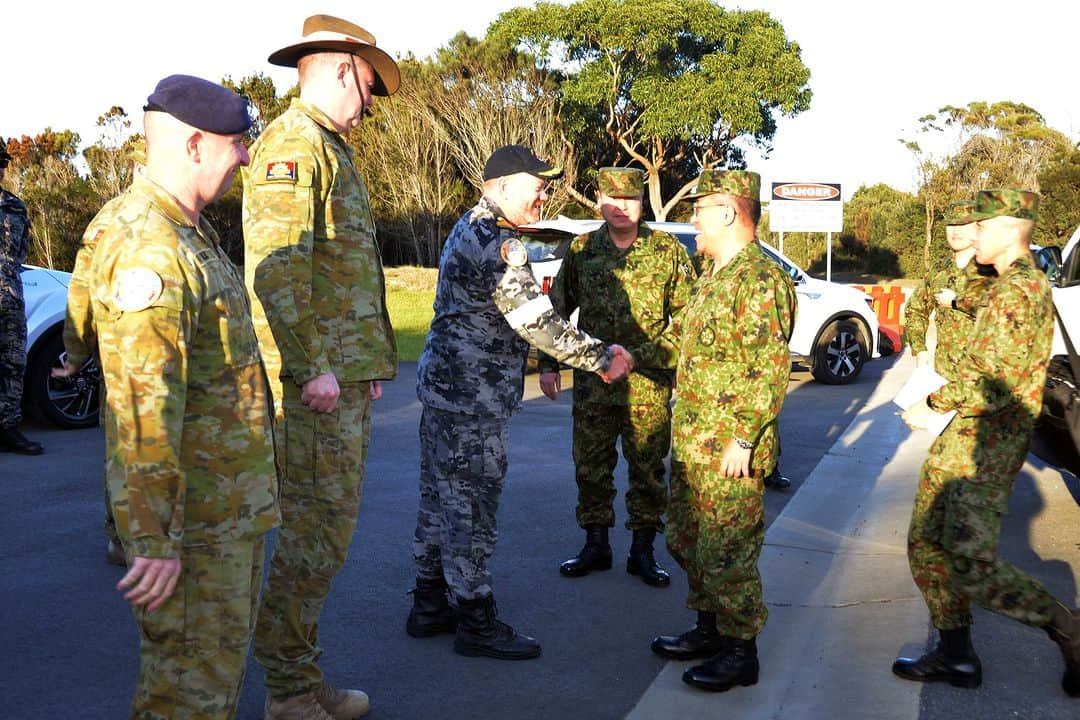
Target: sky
{"x": 875, "y": 67}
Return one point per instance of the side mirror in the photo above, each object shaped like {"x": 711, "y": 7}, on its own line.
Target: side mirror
{"x": 1049, "y": 261}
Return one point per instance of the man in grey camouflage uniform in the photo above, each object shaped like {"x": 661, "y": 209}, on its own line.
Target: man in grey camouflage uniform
{"x": 14, "y": 244}
{"x": 997, "y": 395}
{"x": 627, "y": 280}
{"x": 488, "y": 308}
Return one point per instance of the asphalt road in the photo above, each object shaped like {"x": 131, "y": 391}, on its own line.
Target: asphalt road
{"x": 69, "y": 643}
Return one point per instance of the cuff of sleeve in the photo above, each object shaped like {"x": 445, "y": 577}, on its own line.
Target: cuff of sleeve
{"x": 546, "y": 364}
{"x": 304, "y": 374}
{"x": 152, "y": 548}
{"x": 77, "y": 359}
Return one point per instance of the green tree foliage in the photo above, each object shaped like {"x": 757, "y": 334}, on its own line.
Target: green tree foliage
{"x": 260, "y": 91}
{"x": 669, "y": 85}
{"x": 985, "y": 145}
{"x": 1059, "y": 207}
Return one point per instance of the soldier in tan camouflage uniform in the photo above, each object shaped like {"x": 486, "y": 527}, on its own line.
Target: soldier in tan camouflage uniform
{"x": 190, "y": 461}
{"x": 80, "y": 336}
{"x": 628, "y": 281}
{"x": 470, "y": 379}
{"x": 733, "y": 368}
{"x": 315, "y": 279}
{"x": 997, "y": 394}
{"x": 14, "y": 244}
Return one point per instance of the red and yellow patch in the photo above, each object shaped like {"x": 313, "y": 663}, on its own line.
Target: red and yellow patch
{"x": 281, "y": 170}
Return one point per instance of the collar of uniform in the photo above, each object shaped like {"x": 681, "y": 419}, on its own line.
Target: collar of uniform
{"x": 488, "y": 208}
{"x": 739, "y": 258}
{"x": 320, "y": 118}
{"x": 160, "y": 198}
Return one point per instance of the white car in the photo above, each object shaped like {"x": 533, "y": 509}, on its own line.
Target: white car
{"x": 836, "y": 328}
{"x": 67, "y": 403}
{"x": 1063, "y": 270}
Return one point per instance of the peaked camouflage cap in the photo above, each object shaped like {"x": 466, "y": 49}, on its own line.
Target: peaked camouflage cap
{"x": 621, "y": 182}
{"x": 741, "y": 183}
{"x": 961, "y": 212}
{"x": 1022, "y": 204}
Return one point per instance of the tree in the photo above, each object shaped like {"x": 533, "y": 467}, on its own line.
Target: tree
{"x": 672, "y": 86}
{"x": 107, "y": 160}
{"x": 260, "y": 91}
{"x": 1059, "y": 207}
{"x": 1002, "y": 144}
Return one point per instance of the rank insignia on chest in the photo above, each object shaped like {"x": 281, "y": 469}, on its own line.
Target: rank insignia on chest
{"x": 281, "y": 170}
{"x": 513, "y": 252}
{"x": 136, "y": 289}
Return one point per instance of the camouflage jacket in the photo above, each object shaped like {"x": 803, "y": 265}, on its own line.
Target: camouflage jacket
{"x": 731, "y": 341}
{"x": 626, "y": 297}
{"x": 311, "y": 264}
{"x": 14, "y": 245}
{"x": 1002, "y": 373}
{"x": 80, "y": 335}
{"x": 487, "y": 311}
{"x": 954, "y": 325}
{"x": 190, "y": 459}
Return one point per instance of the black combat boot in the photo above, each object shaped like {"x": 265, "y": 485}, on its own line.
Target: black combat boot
{"x": 953, "y": 661}
{"x": 641, "y": 561}
{"x": 737, "y": 664}
{"x": 481, "y": 633}
{"x": 431, "y": 613}
{"x": 11, "y": 440}
{"x": 776, "y": 481}
{"x": 1064, "y": 629}
{"x": 701, "y": 641}
{"x": 596, "y": 555}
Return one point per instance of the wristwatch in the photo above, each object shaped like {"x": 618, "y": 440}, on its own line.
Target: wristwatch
{"x": 744, "y": 444}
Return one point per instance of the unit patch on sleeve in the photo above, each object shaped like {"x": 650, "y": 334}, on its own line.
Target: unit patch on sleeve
{"x": 281, "y": 170}
{"x": 136, "y": 289}
{"x": 513, "y": 252}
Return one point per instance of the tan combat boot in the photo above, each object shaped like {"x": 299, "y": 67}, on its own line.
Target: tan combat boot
{"x": 342, "y": 704}
{"x": 297, "y": 707}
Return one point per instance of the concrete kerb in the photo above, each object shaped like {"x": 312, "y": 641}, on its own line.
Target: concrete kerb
{"x": 837, "y": 584}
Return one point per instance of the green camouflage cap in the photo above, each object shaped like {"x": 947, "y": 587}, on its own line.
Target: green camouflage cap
{"x": 961, "y": 212}
{"x": 1021, "y": 204}
{"x": 741, "y": 183}
{"x": 621, "y": 182}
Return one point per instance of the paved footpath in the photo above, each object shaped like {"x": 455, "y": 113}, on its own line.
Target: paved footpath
{"x": 842, "y": 603}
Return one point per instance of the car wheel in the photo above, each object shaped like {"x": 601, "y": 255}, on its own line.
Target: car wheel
{"x": 66, "y": 402}
{"x": 840, "y": 353}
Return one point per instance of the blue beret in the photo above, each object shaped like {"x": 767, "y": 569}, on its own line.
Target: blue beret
{"x": 201, "y": 104}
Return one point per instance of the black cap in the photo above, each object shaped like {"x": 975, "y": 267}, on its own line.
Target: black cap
{"x": 201, "y": 104}
{"x": 513, "y": 159}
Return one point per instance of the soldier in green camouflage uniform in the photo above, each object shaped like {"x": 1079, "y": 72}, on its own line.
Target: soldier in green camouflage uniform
{"x": 628, "y": 281}
{"x": 955, "y": 292}
{"x": 14, "y": 244}
{"x": 470, "y": 378}
{"x": 80, "y": 336}
{"x": 190, "y": 462}
{"x": 966, "y": 483}
{"x": 315, "y": 278}
{"x": 733, "y": 368}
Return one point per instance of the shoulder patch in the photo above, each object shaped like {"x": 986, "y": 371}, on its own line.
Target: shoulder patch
{"x": 284, "y": 170}
{"x": 136, "y": 289}
{"x": 513, "y": 252}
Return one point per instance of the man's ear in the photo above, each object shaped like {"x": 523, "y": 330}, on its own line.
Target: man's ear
{"x": 193, "y": 146}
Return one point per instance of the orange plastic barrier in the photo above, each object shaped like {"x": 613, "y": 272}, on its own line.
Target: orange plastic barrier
{"x": 888, "y": 302}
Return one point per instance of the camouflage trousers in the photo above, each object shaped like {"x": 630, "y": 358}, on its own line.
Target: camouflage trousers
{"x": 193, "y": 649}
{"x": 716, "y": 527}
{"x": 955, "y": 529}
{"x": 104, "y": 422}
{"x": 321, "y": 460}
{"x": 12, "y": 360}
{"x": 646, "y": 438}
{"x": 462, "y": 466}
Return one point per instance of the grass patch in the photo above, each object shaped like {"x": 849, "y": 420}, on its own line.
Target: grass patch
{"x": 410, "y": 292}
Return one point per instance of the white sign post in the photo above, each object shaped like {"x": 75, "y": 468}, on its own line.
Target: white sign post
{"x": 807, "y": 207}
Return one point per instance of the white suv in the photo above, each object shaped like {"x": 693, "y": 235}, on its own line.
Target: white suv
{"x": 836, "y": 329}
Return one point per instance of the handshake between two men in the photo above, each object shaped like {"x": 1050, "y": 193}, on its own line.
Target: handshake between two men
{"x": 622, "y": 364}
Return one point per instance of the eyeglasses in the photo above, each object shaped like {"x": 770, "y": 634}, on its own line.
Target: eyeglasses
{"x": 698, "y": 207}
